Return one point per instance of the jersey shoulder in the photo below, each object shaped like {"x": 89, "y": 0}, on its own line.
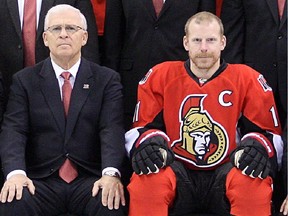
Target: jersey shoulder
{"x": 242, "y": 70}
{"x": 164, "y": 71}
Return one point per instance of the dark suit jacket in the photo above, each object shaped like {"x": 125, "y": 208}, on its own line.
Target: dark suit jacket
{"x": 256, "y": 37}
{"x": 34, "y": 137}
{"x": 135, "y": 39}
{"x": 11, "y": 44}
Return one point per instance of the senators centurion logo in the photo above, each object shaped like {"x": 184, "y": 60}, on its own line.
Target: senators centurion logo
{"x": 203, "y": 142}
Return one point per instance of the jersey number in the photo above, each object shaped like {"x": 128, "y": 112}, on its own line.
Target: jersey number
{"x": 275, "y": 120}
{"x": 136, "y": 112}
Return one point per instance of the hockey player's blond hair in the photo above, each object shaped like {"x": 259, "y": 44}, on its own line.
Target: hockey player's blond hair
{"x": 204, "y": 16}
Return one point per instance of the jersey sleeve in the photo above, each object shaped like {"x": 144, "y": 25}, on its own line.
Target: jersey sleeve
{"x": 261, "y": 117}
{"x": 150, "y": 99}
{"x": 147, "y": 120}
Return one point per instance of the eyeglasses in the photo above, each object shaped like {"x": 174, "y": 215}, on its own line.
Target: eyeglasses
{"x": 57, "y": 29}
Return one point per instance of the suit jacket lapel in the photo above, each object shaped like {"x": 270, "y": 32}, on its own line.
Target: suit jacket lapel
{"x": 81, "y": 89}
{"x": 14, "y": 13}
{"x": 148, "y": 4}
{"x": 166, "y": 5}
{"x": 273, "y": 5}
{"x": 150, "y": 7}
{"x": 284, "y": 16}
{"x": 50, "y": 89}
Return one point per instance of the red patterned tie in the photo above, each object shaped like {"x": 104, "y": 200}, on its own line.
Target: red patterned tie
{"x": 281, "y": 4}
{"x": 29, "y": 32}
{"x": 68, "y": 171}
{"x": 158, "y": 4}
{"x": 66, "y": 91}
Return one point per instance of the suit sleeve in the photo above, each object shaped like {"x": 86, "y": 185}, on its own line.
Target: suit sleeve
{"x": 2, "y": 99}
{"x": 15, "y": 128}
{"x": 111, "y": 125}
{"x": 233, "y": 18}
{"x": 113, "y": 33}
{"x": 91, "y": 50}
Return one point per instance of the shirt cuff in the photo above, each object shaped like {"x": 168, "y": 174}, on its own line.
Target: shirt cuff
{"x": 111, "y": 169}
{"x": 14, "y": 172}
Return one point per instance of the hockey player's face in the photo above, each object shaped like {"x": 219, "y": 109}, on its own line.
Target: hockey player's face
{"x": 204, "y": 44}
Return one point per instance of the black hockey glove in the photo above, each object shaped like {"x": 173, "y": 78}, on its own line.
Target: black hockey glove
{"x": 252, "y": 158}
{"x": 152, "y": 155}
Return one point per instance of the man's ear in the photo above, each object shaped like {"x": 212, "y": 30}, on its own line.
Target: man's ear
{"x": 185, "y": 43}
{"x": 223, "y": 42}
{"x": 44, "y": 36}
{"x": 84, "y": 38}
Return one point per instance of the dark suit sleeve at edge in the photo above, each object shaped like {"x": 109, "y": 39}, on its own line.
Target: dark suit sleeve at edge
{"x": 111, "y": 124}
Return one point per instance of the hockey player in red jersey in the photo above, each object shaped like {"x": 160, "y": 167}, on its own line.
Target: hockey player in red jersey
{"x": 206, "y": 134}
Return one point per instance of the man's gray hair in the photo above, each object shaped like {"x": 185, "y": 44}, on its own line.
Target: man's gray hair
{"x": 63, "y": 8}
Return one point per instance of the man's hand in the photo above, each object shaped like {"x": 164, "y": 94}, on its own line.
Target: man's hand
{"x": 112, "y": 191}
{"x": 284, "y": 207}
{"x": 13, "y": 188}
{"x": 151, "y": 155}
{"x": 252, "y": 159}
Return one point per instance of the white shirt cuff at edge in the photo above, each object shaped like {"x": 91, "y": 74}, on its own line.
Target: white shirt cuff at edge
{"x": 14, "y": 172}
{"x": 111, "y": 169}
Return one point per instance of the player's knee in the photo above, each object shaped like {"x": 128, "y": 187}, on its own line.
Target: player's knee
{"x": 252, "y": 195}
{"x": 160, "y": 185}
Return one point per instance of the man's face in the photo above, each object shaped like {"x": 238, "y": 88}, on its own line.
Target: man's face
{"x": 65, "y": 36}
{"x": 204, "y": 45}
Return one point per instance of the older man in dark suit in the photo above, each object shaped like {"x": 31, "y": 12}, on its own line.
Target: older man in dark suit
{"x": 61, "y": 157}
{"x": 11, "y": 37}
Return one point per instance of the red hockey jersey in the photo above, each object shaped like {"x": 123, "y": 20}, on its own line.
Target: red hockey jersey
{"x": 201, "y": 120}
